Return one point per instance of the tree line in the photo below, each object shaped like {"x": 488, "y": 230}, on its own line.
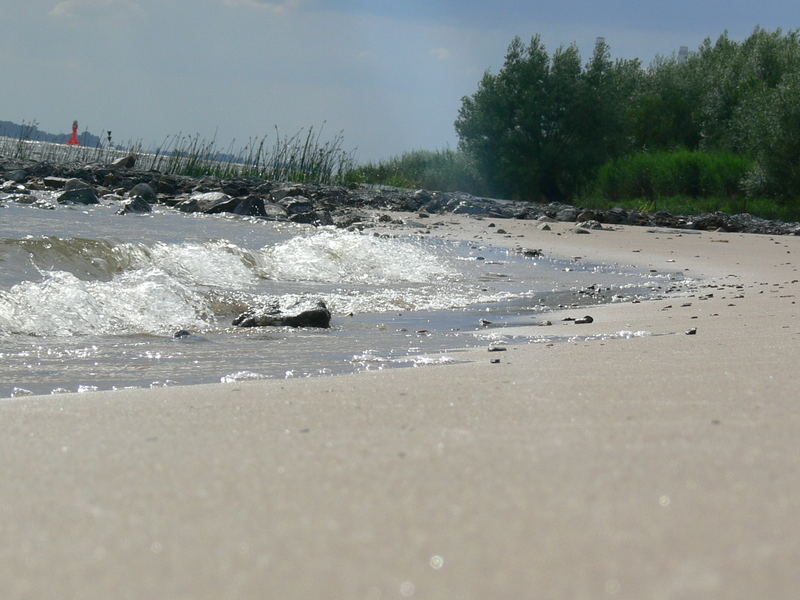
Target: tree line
{"x": 727, "y": 117}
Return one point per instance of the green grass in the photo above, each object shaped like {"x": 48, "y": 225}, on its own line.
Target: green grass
{"x": 685, "y": 205}
{"x": 441, "y": 170}
{"x": 304, "y": 157}
{"x": 673, "y": 173}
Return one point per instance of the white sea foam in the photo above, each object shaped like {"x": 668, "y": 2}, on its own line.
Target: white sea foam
{"x": 345, "y": 257}
{"x": 242, "y": 376}
{"x": 145, "y": 301}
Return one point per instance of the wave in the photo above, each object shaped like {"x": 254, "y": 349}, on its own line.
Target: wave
{"x": 80, "y": 286}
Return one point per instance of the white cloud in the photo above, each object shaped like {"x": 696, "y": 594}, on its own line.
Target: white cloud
{"x": 79, "y": 8}
{"x": 441, "y": 53}
{"x": 277, "y": 7}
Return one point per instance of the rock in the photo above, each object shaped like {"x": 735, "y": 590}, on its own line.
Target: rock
{"x": 78, "y": 192}
{"x": 319, "y": 316}
{"x": 54, "y": 183}
{"x": 75, "y": 184}
{"x": 127, "y": 162}
{"x": 567, "y": 214}
{"x": 589, "y": 215}
{"x": 274, "y": 211}
{"x": 145, "y": 192}
{"x": 616, "y": 215}
{"x": 544, "y": 227}
{"x": 591, "y": 224}
{"x": 288, "y": 191}
{"x": 586, "y": 319}
{"x": 202, "y": 202}
{"x": 296, "y": 205}
{"x": 137, "y": 205}
{"x": 692, "y": 331}
{"x": 18, "y": 175}
{"x": 252, "y": 206}
{"x": 317, "y": 217}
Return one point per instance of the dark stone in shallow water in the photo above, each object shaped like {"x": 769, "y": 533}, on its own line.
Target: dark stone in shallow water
{"x": 318, "y": 316}
{"x": 75, "y": 194}
{"x": 137, "y": 204}
{"x": 144, "y": 191}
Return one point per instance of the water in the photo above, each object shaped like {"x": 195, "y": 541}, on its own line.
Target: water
{"x": 91, "y": 300}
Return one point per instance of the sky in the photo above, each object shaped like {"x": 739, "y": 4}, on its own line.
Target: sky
{"x": 389, "y": 75}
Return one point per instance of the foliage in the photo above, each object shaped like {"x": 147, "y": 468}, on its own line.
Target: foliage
{"x": 542, "y": 127}
{"x": 443, "y": 170}
{"x": 678, "y": 173}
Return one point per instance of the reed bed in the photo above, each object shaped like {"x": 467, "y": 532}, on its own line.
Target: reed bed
{"x": 305, "y": 157}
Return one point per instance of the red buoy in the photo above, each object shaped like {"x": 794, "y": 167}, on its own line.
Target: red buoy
{"x": 73, "y": 141}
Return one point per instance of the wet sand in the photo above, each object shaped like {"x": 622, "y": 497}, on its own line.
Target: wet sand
{"x": 663, "y": 466}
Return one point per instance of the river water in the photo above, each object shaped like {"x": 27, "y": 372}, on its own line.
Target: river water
{"x": 91, "y": 300}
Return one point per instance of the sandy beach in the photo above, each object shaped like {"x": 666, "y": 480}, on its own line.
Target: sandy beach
{"x": 662, "y": 467}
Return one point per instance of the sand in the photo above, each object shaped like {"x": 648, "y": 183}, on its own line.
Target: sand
{"x": 662, "y": 466}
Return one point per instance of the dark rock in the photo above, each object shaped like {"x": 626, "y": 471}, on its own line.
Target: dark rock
{"x": 75, "y": 184}
{"x": 319, "y": 316}
{"x": 127, "y": 162}
{"x": 18, "y": 175}
{"x": 665, "y": 219}
{"x": 589, "y": 215}
{"x": 615, "y": 216}
{"x": 251, "y": 206}
{"x": 296, "y": 205}
{"x": 274, "y": 211}
{"x": 137, "y": 205}
{"x": 78, "y": 192}
{"x": 497, "y": 348}
{"x": 182, "y": 333}
{"x": 569, "y": 213}
{"x": 592, "y": 224}
{"x": 317, "y": 217}
{"x": 586, "y": 319}
{"x": 288, "y": 191}
{"x": 145, "y": 191}
{"x": 55, "y": 183}
{"x": 692, "y": 331}
{"x": 202, "y": 202}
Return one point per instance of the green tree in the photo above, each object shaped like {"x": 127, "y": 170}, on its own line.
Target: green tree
{"x": 541, "y": 127}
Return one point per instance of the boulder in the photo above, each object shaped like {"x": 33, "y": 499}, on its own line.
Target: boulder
{"x": 590, "y": 224}
{"x": 78, "y": 192}
{"x": 126, "y": 162}
{"x": 145, "y": 192}
{"x": 567, "y": 214}
{"x": 137, "y": 204}
{"x": 295, "y": 205}
{"x": 252, "y": 206}
{"x": 202, "y": 202}
{"x": 318, "y": 316}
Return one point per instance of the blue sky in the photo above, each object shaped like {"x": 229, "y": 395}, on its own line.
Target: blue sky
{"x": 390, "y": 74}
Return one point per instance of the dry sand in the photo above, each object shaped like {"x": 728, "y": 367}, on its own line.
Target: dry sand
{"x": 663, "y": 466}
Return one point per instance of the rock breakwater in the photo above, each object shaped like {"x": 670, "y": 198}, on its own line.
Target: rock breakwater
{"x": 315, "y": 204}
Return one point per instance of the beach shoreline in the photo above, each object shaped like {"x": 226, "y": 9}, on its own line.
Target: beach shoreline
{"x": 659, "y": 465}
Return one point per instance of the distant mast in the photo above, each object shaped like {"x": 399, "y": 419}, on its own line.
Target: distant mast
{"x": 73, "y": 141}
